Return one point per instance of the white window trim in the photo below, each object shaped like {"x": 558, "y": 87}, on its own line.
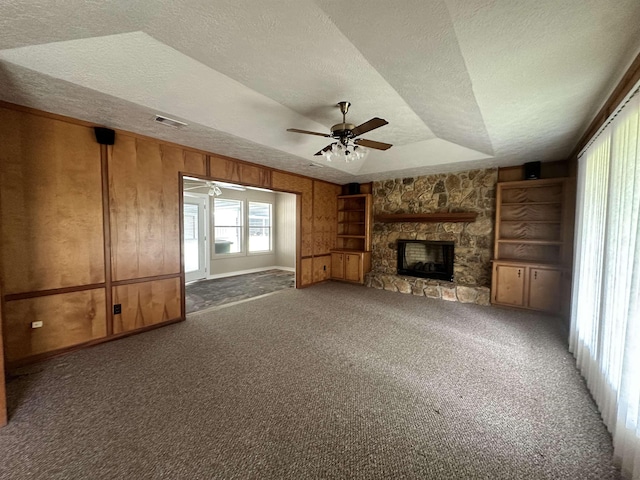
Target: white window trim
{"x": 207, "y": 229}
{"x": 244, "y": 231}
{"x": 270, "y": 227}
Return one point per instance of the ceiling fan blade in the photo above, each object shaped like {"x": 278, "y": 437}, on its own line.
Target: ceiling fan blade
{"x": 307, "y": 132}
{"x": 325, "y": 149}
{"x": 368, "y": 126}
{"x": 372, "y": 144}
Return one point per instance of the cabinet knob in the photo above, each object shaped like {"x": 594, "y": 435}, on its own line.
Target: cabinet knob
{"x": 535, "y": 275}
{"x": 519, "y": 273}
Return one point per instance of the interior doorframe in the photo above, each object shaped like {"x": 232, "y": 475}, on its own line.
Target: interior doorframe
{"x": 205, "y": 229}
{"x": 298, "y": 215}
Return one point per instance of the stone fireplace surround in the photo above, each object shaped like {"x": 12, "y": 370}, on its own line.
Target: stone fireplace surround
{"x": 468, "y": 191}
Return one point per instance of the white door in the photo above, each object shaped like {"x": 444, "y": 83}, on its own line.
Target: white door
{"x": 195, "y": 238}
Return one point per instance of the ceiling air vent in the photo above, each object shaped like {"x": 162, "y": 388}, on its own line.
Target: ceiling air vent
{"x": 169, "y": 122}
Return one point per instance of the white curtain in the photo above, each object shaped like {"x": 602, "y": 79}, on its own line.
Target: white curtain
{"x": 605, "y": 318}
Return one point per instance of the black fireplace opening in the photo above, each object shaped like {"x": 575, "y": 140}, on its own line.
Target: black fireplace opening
{"x": 426, "y": 259}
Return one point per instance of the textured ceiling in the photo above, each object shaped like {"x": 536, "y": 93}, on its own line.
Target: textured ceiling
{"x": 463, "y": 83}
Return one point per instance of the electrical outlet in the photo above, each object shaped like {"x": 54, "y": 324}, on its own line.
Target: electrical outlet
{"x": 117, "y": 309}
{"x": 37, "y": 324}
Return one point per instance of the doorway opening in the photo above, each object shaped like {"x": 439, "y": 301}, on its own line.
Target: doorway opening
{"x": 239, "y": 242}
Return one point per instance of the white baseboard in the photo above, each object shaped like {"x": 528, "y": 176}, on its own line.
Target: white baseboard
{"x": 251, "y": 270}
{"x": 286, "y": 269}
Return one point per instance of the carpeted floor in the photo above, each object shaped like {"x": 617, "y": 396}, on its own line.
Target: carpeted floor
{"x": 333, "y": 381}
{"x": 205, "y": 294}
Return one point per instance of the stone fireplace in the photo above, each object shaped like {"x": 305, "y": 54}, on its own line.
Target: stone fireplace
{"x": 469, "y": 191}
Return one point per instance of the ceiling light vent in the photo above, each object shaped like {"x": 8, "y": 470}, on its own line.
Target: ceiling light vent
{"x": 169, "y": 122}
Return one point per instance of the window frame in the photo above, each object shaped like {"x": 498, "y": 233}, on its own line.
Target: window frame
{"x": 241, "y": 228}
{"x": 245, "y": 228}
{"x": 269, "y": 228}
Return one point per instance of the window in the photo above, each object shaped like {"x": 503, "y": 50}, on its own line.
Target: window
{"x": 228, "y": 224}
{"x": 190, "y": 222}
{"x": 233, "y": 234}
{"x": 259, "y": 227}
{"x": 605, "y": 320}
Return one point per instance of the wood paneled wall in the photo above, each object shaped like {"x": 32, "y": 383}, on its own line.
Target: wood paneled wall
{"x": 286, "y": 182}
{"x": 144, "y": 206}
{"x": 3, "y": 391}
{"x": 147, "y": 303}
{"x": 230, "y": 170}
{"x": 51, "y": 188}
{"x": 325, "y": 213}
{"x": 68, "y": 319}
{"x": 325, "y": 217}
{"x": 317, "y": 223}
{"x": 85, "y": 227}
{"x": 547, "y": 170}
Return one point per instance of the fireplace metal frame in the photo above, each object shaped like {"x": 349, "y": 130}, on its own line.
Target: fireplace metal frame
{"x": 448, "y": 254}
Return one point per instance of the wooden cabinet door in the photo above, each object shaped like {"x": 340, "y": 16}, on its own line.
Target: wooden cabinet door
{"x": 544, "y": 289}
{"x": 337, "y": 266}
{"x": 352, "y": 267}
{"x": 509, "y": 285}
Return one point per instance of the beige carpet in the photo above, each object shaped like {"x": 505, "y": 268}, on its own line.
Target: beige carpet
{"x": 334, "y": 381}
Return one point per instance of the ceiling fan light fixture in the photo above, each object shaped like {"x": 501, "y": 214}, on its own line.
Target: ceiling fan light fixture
{"x": 348, "y": 148}
{"x": 345, "y": 153}
{"x": 214, "y": 190}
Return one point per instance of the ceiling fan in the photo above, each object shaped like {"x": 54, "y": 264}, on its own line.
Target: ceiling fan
{"x": 214, "y": 187}
{"x": 348, "y": 147}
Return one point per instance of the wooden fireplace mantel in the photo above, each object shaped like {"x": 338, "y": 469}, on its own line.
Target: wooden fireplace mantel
{"x": 441, "y": 217}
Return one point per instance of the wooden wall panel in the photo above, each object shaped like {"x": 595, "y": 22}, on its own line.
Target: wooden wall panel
{"x": 547, "y": 170}
{"x": 144, "y": 208}
{"x": 321, "y": 268}
{"x": 306, "y": 274}
{"x": 147, "y": 303}
{"x": 3, "y": 391}
{"x": 294, "y": 183}
{"x": 239, "y": 172}
{"x": 325, "y": 206}
{"x": 68, "y": 319}
{"x": 51, "y": 215}
{"x": 194, "y": 163}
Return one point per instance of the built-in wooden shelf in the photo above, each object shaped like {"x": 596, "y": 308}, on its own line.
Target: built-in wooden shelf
{"x": 351, "y": 236}
{"x": 537, "y": 222}
{"x": 530, "y": 203}
{"x": 427, "y": 217}
{"x": 530, "y": 242}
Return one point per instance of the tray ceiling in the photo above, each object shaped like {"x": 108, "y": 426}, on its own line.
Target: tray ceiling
{"x": 463, "y": 84}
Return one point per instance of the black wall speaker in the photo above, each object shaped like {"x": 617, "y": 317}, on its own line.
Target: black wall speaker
{"x": 354, "y": 188}
{"x": 105, "y": 136}
{"x": 531, "y": 170}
